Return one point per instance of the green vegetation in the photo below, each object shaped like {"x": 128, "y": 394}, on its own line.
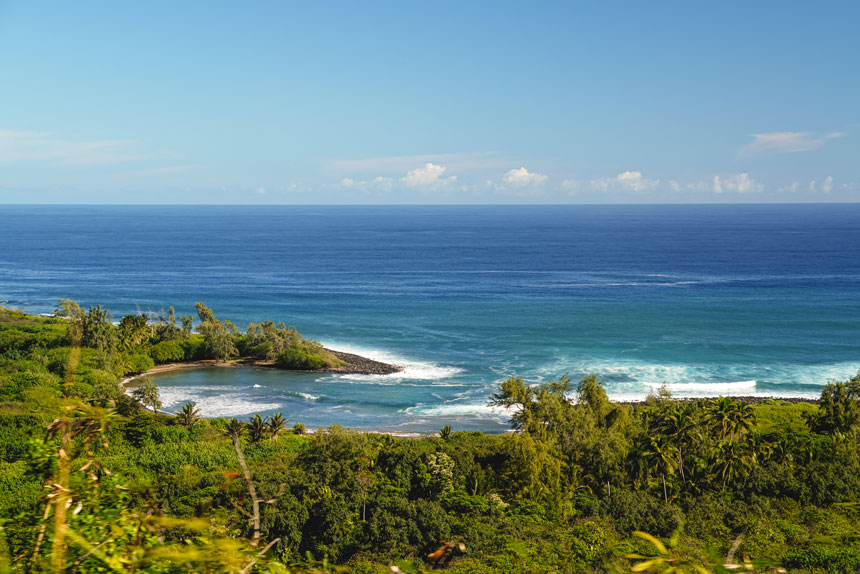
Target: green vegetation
{"x": 92, "y": 480}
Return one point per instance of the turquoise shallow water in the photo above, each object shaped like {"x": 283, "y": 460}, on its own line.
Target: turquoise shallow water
{"x": 751, "y": 299}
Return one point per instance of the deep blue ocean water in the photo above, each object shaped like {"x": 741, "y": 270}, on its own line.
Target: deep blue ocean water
{"x": 712, "y": 299}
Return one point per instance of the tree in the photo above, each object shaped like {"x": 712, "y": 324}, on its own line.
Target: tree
{"x": 257, "y": 428}
{"x": 234, "y": 430}
{"x": 147, "y": 394}
{"x": 679, "y": 425}
{"x": 187, "y": 324}
{"x": 219, "y": 335}
{"x": 732, "y": 460}
{"x": 839, "y": 407}
{"x": 660, "y": 458}
{"x": 533, "y": 468}
{"x": 132, "y": 331}
{"x": 276, "y": 425}
{"x": 188, "y": 416}
{"x": 445, "y": 432}
{"x": 719, "y": 414}
{"x": 70, "y": 309}
{"x": 541, "y": 411}
{"x": 742, "y": 420}
{"x": 365, "y": 480}
{"x": 591, "y": 393}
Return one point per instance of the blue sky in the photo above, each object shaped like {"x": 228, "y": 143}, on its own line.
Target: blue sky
{"x": 435, "y": 102}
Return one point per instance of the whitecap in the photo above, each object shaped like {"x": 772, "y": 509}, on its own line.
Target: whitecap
{"x": 413, "y": 370}
{"x": 227, "y": 403}
{"x": 719, "y": 388}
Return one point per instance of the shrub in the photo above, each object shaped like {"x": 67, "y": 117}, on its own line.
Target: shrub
{"x": 27, "y": 380}
{"x": 835, "y": 560}
{"x": 138, "y": 362}
{"x": 637, "y": 510}
{"x": 194, "y": 348}
{"x": 167, "y": 352}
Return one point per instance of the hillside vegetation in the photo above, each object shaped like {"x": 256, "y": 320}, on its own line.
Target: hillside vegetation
{"x": 93, "y": 480}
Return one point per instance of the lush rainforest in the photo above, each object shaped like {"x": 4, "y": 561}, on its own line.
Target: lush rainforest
{"x": 95, "y": 478}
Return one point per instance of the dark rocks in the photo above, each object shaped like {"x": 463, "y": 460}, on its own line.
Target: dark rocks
{"x": 358, "y": 365}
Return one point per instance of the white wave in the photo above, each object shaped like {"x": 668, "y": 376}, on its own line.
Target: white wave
{"x": 308, "y": 396}
{"x": 459, "y": 409}
{"x": 228, "y": 403}
{"x": 817, "y": 375}
{"x": 720, "y": 388}
{"x": 623, "y": 372}
{"x": 258, "y": 386}
{"x": 413, "y": 370}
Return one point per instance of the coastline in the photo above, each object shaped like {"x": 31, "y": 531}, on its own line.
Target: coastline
{"x": 355, "y": 365}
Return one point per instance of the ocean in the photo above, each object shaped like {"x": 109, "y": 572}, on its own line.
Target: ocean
{"x": 709, "y": 299}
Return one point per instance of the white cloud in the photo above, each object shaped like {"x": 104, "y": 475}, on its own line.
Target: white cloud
{"x": 261, "y": 189}
{"x": 428, "y": 177}
{"x": 376, "y": 184}
{"x": 741, "y": 183}
{"x": 674, "y": 185}
{"x": 18, "y": 146}
{"x": 625, "y": 181}
{"x": 571, "y": 185}
{"x": 826, "y": 185}
{"x": 792, "y": 188}
{"x": 523, "y": 178}
{"x": 786, "y": 142}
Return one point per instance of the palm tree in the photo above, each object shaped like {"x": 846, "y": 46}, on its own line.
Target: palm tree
{"x": 733, "y": 460}
{"x": 720, "y": 414}
{"x": 681, "y": 430}
{"x": 277, "y": 424}
{"x": 257, "y": 429}
{"x": 660, "y": 457}
{"x": 188, "y": 415}
{"x": 742, "y": 419}
{"x": 234, "y": 429}
{"x": 445, "y": 432}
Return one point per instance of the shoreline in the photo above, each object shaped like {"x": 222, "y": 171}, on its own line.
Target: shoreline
{"x": 355, "y": 365}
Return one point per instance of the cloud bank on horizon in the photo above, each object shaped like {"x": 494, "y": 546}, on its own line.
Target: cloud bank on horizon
{"x": 370, "y": 104}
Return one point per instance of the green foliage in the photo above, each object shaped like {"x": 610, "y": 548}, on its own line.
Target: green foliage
{"x": 168, "y": 352}
{"x": 146, "y": 392}
{"x": 132, "y": 331}
{"x": 188, "y": 415}
{"x": 838, "y": 408}
{"x": 257, "y": 429}
{"x": 219, "y": 336}
{"x": 276, "y": 425}
{"x": 824, "y": 558}
{"x": 563, "y": 493}
{"x": 307, "y": 355}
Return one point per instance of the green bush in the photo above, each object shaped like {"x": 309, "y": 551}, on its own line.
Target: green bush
{"x": 194, "y": 348}
{"x": 27, "y": 380}
{"x": 167, "y": 352}
{"x": 835, "y": 560}
{"x": 138, "y": 362}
